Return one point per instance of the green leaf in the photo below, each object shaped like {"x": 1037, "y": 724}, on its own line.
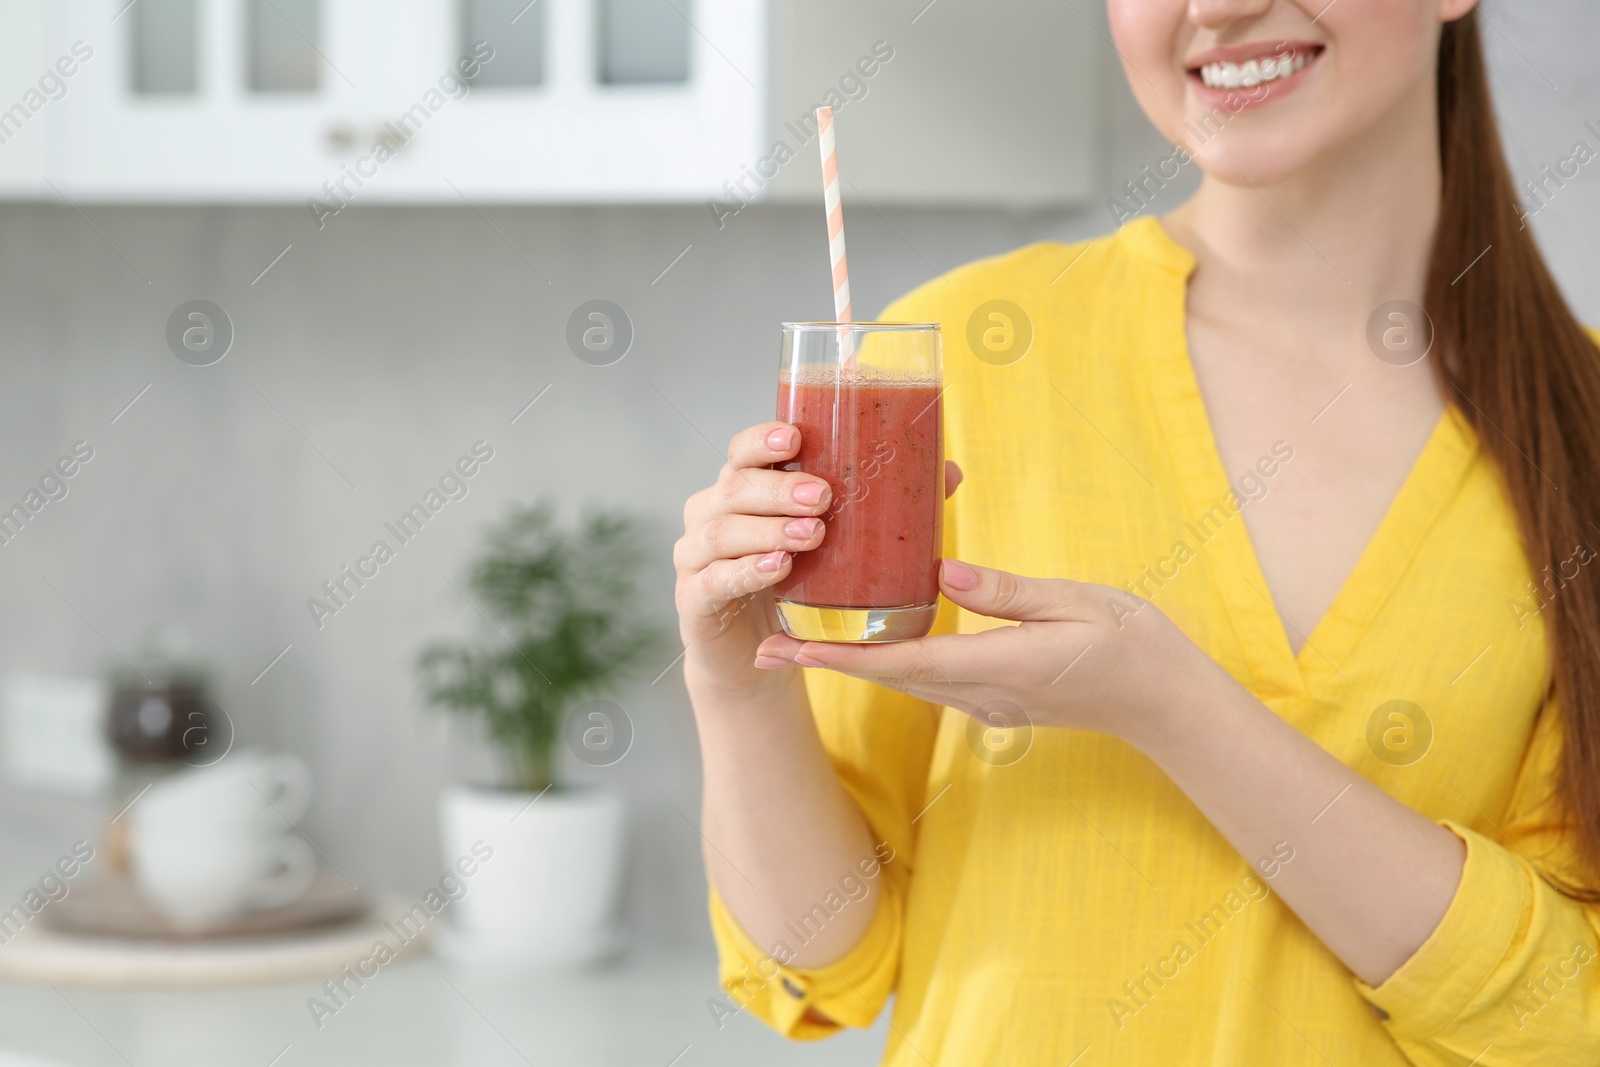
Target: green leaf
{"x": 564, "y": 626}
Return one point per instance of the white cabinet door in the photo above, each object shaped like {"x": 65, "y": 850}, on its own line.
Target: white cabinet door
{"x": 574, "y": 138}
{"x": 389, "y": 117}
{"x": 220, "y": 141}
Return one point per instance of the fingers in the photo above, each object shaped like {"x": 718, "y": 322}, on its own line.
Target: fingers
{"x": 943, "y": 662}
{"x": 1003, "y": 595}
{"x": 746, "y": 483}
{"x": 952, "y": 477}
{"x": 777, "y": 651}
{"x": 899, "y": 663}
{"x": 935, "y": 661}
{"x": 914, "y": 672}
{"x": 757, "y": 491}
{"x": 740, "y": 534}
{"x": 887, "y": 669}
{"x": 710, "y": 590}
{"x": 770, "y": 442}
{"x": 730, "y": 536}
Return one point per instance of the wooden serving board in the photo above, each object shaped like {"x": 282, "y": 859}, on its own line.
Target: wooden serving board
{"x": 114, "y": 908}
{"x": 42, "y": 954}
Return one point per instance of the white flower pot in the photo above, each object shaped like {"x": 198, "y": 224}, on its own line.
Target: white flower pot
{"x": 546, "y": 895}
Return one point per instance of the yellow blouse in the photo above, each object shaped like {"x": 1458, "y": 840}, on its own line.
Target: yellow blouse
{"x": 1055, "y": 899}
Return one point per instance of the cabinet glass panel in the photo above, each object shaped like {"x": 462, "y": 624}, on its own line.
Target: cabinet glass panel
{"x": 515, "y": 30}
{"x": 644, "y": 42}
{"x": 283, "y": 54}
{"x": 162, "y": 46}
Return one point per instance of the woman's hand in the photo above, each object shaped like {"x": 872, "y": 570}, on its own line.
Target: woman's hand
{"x": 779, "y": 816}
{"x": 739, "y": 539}
{"x": 1372, "y": 881}
{"x": 1085, "y": 656}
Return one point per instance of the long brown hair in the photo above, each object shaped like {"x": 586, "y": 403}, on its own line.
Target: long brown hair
{"x": 1527, "y": 377}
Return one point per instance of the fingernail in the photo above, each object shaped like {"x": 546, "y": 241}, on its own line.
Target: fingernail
{"x": 806, "y": 659}
{"x": 770, "y": 562}
{"x": 802, "y": 529}
{"x": 809, "y": 493}
{"x": 768, "y": 663}
{"x": 781, "y": 440}
{"x": 959, "y": 575}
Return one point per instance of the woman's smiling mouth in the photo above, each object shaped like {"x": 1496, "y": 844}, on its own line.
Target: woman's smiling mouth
{"x": 1225, "y": 75}
{"x": 1223, "y": 71}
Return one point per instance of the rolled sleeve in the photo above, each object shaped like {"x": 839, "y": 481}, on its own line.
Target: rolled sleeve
{"x": 1476, "y": 938}
{"x": 1510, "y": 977}
{"x": 811, "y": 1003}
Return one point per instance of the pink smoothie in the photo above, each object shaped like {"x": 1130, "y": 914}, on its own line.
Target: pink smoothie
{"x": 884, "y": 458}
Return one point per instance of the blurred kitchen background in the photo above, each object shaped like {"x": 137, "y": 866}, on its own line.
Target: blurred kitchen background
{"x": 647, "y": 153}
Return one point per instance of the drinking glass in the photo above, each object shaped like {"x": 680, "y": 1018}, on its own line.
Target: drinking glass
{"x": 866, "y": 399}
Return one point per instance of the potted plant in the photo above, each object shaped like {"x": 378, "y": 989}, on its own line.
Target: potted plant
{"x": 563, "y": 625}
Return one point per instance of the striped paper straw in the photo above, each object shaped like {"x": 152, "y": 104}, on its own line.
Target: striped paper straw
{"x": 835, "y": 209}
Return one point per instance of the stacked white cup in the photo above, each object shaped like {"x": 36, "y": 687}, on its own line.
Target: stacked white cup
{"x": 211, "y": 843}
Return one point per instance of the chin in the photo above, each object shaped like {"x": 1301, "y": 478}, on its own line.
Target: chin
{"x": 1260, "y": 157}
{"x": 1256, "y": 119}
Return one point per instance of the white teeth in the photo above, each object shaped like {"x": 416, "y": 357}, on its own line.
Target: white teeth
{"x": 1225, "y": 75}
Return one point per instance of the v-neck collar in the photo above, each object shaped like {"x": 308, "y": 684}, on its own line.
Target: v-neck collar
{"x": 1262, "y": 640}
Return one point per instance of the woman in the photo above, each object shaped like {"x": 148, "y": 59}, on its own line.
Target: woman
{"x": 1307, "y": 681}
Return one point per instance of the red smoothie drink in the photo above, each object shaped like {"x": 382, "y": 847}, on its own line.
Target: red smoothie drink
{"x": 879, "y": 445}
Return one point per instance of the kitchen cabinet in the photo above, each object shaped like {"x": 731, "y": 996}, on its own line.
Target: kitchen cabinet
{"x": 331, "y": 102}
{"x": 375, "y": 105}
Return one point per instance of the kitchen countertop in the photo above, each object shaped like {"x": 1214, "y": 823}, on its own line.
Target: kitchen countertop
{"x": 647, "y": 1010}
